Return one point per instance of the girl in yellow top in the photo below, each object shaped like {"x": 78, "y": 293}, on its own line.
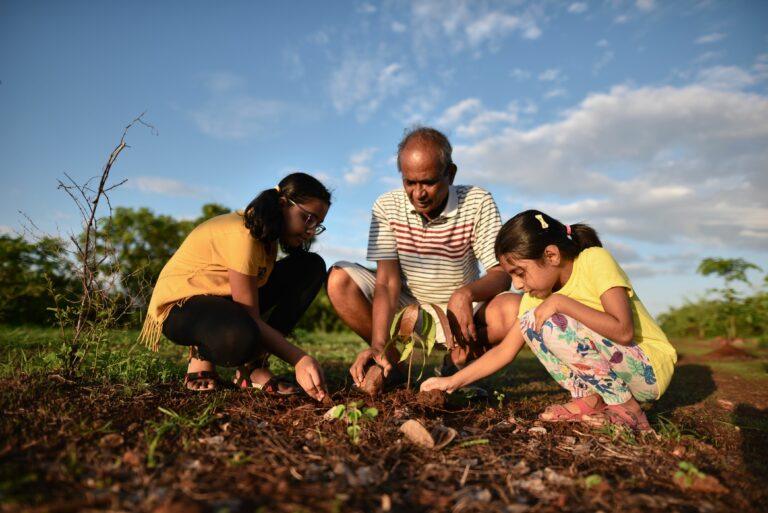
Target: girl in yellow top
{"x": 583, "y": 320}
{"x": 223, "y": 293}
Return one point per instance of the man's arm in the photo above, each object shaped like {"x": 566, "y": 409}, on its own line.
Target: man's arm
{"x": 385, "y": 299}
{"x": 386, "y": 293}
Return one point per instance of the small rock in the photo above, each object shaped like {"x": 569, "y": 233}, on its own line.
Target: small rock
{"x": 131, "y": 458}
{"x": 726, "y": 405}
{"x": 111, "y": 441}
{"x": 373, "y": 381}
{"x": 537, "y": 430}
{"x": 212, "y": 440}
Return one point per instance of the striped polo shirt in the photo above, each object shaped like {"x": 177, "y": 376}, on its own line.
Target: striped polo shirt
{"x": 439, "y": 256}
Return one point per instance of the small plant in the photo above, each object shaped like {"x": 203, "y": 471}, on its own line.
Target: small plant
{"x": 592, "y": 481}
{"x": 499, "y": 397}
{"x": 352, "y": 415}
{"x": 423, "y": 333}
{"x": 172, "y": 423}
{"x": 688, "y": 473}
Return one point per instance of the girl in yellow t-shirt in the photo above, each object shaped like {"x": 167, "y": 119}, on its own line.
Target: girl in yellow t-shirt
{"x": 582, "y": 319}
{"x": 223, "y": 294}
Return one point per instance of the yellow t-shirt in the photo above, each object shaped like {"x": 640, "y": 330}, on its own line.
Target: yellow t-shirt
{"x": 594, "y": 272}
{"x": 200, "y": 265}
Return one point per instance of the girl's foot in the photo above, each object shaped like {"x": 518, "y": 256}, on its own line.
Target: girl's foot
{"x": 628, "y": 415}
{"x": 201, "y": 376}
{"x": 262, "y": 378}
{"x": 573, "y": 411}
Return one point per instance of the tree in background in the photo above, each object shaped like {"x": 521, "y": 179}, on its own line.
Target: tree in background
{"x": 144, "y": 241}
{"x": 732, "y": 271}
{"x": 28, "y": 272}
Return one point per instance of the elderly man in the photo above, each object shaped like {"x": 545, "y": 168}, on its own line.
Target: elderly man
{"x": 427, "y": 239}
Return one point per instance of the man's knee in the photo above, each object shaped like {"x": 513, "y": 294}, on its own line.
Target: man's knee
{"x": 503, "y": 310}
{"x": 340, "y": 282}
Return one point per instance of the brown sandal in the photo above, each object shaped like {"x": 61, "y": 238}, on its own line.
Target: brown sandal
{"x": 620, "y": 416}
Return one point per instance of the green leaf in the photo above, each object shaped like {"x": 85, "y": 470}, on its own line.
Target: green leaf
{"x": 337, "y": 411}
{"x": 371, "y": 412}
{"x": 407, "y": 350}
{"x": 395, "y": 322}
{"x": 477, "y": 441}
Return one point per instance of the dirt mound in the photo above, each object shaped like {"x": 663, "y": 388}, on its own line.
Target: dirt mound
{"x": 730, "y": 352}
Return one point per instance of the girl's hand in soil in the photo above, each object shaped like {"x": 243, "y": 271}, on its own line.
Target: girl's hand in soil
{"x": 358, "y": 368}
{"x": 444, "y": 384}
{"x": 310, "y": 377}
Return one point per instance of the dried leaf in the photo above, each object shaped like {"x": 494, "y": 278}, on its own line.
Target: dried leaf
{"x": 111, "y": 441}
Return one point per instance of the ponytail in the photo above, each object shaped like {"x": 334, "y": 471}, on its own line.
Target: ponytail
{"x": 527, "y": 235}
{"x": 264, "y": 215}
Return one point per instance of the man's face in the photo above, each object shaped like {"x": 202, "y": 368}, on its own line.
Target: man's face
{"x": 425, "y": 183}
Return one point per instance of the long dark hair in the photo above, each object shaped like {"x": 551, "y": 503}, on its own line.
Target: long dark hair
{"x": 264, "y": 215}
{"x": 527, "y": 235}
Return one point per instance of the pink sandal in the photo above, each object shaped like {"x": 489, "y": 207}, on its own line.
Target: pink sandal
{"x": 562, "y": 414}
{"x": 618, "y": 415}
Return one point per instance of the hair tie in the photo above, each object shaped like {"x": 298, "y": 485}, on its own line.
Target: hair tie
{"x": 568, "y": 230}
{"x": 277, "y": 188}
{"x": 540, "y": 218}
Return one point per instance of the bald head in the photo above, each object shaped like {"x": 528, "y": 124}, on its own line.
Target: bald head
{"x": 425, "y": 143}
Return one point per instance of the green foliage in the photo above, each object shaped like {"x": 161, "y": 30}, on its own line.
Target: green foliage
{"x": 28, "y": 271}
{"x": 728, "y": 312}
{"x": 424, "y": 334}
{"x": 352, "y": 415}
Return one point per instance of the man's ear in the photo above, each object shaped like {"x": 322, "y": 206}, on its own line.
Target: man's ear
{"x": 552, "y": 255}
{"x": 451, "y": 172}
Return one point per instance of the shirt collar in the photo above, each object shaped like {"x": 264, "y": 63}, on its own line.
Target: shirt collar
{"x": 451, "y": 206}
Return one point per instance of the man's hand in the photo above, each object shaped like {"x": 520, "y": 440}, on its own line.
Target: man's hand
{"x": 358, "y": 367}
{"x": 546, "y": 310}
{"x": 445, "y": 384}
{"x": 310, "y": 377}
{"x": 460, "y": 312}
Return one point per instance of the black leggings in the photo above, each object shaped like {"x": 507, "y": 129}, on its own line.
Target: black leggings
{"x": 226, "y": 334}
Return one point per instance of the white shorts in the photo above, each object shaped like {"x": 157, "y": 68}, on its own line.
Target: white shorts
{"x": 365, "y": 279}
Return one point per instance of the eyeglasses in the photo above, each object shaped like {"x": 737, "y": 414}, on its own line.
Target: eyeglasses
{"x": 310, "y": 222}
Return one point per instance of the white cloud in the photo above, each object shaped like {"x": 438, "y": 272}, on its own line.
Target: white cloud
{"x": 6, "y": 230}
{"x": 231, "y": 113}
{"x": 469, "y": 118}
{"x": 726, "y": 77}
{"x": 656, "y": 164}
{"x": 465, "y": 24}
{"x": 163, "y": 186}
{"x": 366, "y": 8}
{"x": 549, "y": 75}
{"x": 605, "y": 59}
{"x": 710, "y": 38}
{"x": 557, "y": 92}
{"x": 520, "y": 74}
{"x": 359, "y": 171}
{"x": 621, "y": 19}
{"x": 577, "y": 7}
{"x": 363, "y": 84}
{"x": 603, "y": 43}
{"x": 398, "y": 27}
{"x": 645, "y": 5}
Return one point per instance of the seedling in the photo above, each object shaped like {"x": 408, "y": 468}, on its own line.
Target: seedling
{"x": 352, "y": 415}
{"x": 499, "y": 397}
{"x": 423, "y": 334}
{"x": 688, "y": 473}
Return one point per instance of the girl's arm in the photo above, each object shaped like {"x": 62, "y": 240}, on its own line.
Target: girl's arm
{"x": 493, "y": 360}
{"x": 308, "y": 372}
{"x": 615, "y": 323}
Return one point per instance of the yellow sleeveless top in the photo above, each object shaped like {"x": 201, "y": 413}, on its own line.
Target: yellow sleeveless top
{"x": 200, "y": 265}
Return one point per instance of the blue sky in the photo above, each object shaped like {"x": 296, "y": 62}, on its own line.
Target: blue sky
{"x": 647, "y": 119}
